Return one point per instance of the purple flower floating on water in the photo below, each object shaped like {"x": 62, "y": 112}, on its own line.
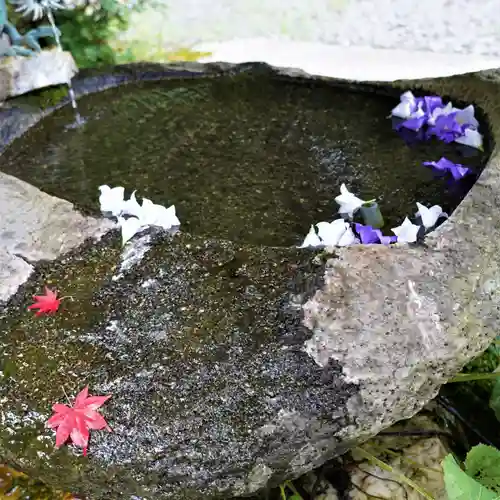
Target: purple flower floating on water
{"x": 411, "y": 137}
{"x": 432, "y": 103}
{"x": 368, "y": 235}
{"x": 444, "y": 165}
{"x": 416, "y": 111}
{"x": 446, "y": 128}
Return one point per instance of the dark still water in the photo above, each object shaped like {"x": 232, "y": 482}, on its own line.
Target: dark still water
{"x": 251, "y": 157}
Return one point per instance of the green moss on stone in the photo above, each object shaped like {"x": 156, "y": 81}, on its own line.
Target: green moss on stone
{"x": 42, "y": 98}
{"x": 47, "y": 353}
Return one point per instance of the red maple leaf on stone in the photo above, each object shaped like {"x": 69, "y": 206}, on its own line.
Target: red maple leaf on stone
{"x": 46, "y": 304}
{"x": 75, "y": 422}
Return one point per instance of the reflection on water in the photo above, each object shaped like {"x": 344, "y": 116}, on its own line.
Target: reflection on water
{"x": 17, "y": 486}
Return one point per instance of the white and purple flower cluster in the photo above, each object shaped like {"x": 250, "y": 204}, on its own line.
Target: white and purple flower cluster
{"x": 342, "y": 232}
{"x": 421, "y": 114}
{"x": 444, "y": 121}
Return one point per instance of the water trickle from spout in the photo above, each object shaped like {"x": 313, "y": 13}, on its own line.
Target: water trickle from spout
{"x": 78, "y": 118}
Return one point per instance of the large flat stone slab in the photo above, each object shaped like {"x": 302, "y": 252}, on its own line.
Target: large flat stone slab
{"x": 335, "y": 61}
{"x": 458, "y": 27}
{"x": 14, "y": 271}
{"x": 35, "y": 226}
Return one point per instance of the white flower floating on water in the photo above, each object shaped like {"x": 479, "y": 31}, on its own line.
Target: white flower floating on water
{"x": 471, "y": 138}
{"x": 111, "y": 199}
{"x": 131, "y": 206}
{"x": 335, "y": 233}
{"x": 466, "y": 116}
{"x": 349, "y": 203}
{"x": 430, "y": 216}
{"x": 406, "y": 232}
{"x": 409, "y": 107}
{"x": 312, "y": 239}
{"x": 158, "y": 215}
{"x": 130, "y": 227}
{"x": 140, "y": 216}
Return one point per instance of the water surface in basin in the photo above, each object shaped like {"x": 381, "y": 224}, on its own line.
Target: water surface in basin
{"x": 249, "y": 157}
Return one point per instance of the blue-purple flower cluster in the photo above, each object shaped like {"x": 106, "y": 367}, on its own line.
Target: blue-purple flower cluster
{"x": 436, "y": 119}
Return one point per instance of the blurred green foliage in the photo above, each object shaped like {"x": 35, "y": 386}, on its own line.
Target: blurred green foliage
{"x": 486, "y": 362}
{"x": 88, "y": 29}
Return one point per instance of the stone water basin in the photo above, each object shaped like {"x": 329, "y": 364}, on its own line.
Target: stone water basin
{"x": 236, "y": 360}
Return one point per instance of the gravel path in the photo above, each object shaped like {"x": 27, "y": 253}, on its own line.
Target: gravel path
{"x": 456, "y": 26}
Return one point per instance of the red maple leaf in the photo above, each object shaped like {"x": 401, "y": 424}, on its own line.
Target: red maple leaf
{"x": 75, "y": 422}
{"x": 46, "y": 304}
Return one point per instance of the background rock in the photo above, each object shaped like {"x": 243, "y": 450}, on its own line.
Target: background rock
{"x": 19, "y": 75}
{"x": 35, "y": 226}
{"x": 420, "y": 462}
{"x": 409, "y": 448}
{"x": 14, "y": 270}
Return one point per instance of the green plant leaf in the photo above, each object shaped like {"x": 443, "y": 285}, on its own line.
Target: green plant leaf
{"x": 460, "y": 486}
{"x": 483, "y": 464}
{"x": 495, "y": 399}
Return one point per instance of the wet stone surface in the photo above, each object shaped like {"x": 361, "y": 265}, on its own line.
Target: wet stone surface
{"x": 219, "y": 314}
{"x": 249, "y": 157}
